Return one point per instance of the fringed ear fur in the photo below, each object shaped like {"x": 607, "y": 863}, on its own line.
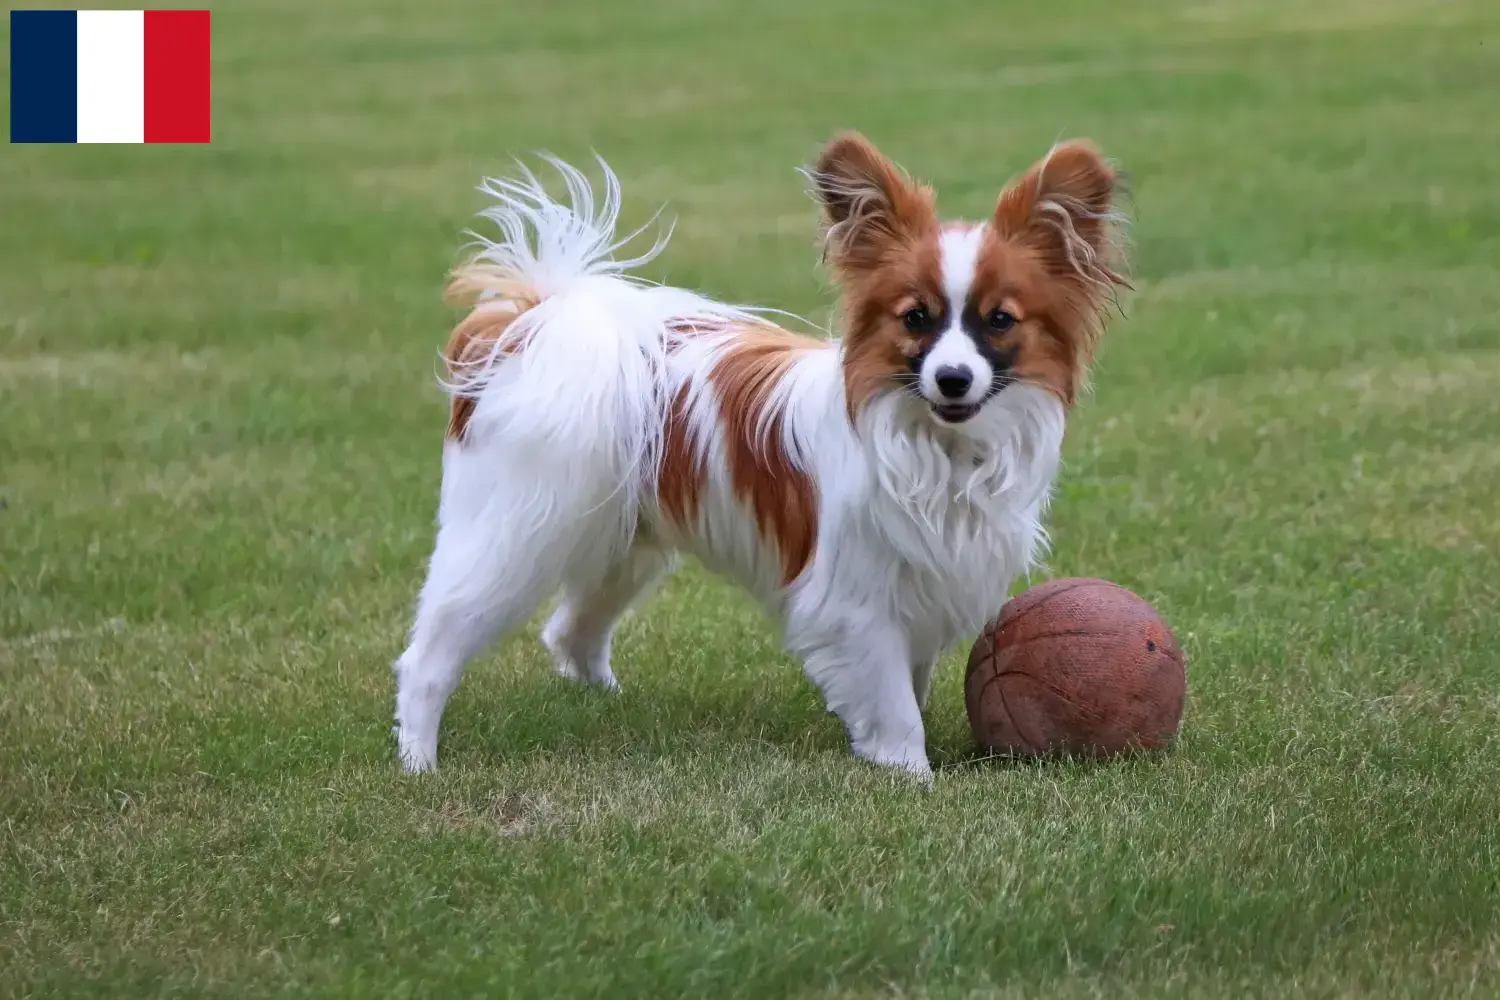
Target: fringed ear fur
{"x": 1064, "y": 209}
{"x": 869, "y": 206}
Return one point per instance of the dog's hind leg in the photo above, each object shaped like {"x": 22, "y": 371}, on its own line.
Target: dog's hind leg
{"x": 514, "y": 526}
{"x": 579, "y": 631}
{"x": 477, "y": 588}
{"x": 921, "y": 679}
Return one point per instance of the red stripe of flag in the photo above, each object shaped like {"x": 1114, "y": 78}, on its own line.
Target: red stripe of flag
{"x": 177, "y": 76}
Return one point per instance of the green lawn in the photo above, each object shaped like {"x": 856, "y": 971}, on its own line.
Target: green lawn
{"x": 219, "y": 435}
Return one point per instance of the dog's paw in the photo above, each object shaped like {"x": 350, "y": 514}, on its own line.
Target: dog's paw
{"x": 580, "y": 670}
{"x": 907, "y": 759}
{"x": 417, "y": 755}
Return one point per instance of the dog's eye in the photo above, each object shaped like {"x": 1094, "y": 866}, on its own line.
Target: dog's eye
{"x": 1000, "y": 320}
{"x": 917, "y": 319}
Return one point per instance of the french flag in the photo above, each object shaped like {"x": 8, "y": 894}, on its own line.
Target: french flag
{"x": 109, "y": 76}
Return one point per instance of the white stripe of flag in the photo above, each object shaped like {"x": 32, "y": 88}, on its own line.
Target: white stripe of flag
{"x": 111, "y": 76}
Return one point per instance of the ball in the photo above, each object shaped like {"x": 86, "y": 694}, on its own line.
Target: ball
{"x": 1075, "y": 666}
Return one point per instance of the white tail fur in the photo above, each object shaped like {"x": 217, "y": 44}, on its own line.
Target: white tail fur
{"x": 570, "y": 399}
{"x": 576, "y": 378}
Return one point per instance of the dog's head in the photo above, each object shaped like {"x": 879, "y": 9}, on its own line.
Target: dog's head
{"x": 953, "y": 313}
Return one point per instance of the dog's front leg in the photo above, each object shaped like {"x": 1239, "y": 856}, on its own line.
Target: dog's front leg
{"x": 865, "y": 674}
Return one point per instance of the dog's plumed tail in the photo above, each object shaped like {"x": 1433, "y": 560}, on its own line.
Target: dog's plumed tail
{"x": 558, "y": 375}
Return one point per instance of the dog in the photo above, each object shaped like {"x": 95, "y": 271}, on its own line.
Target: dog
{"x": 878, "y": 493}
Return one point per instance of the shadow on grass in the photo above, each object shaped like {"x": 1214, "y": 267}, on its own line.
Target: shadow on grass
{"x": 973, "y": 759}
{"x": 707, "y": 713}
{"x": 651, "y": 716}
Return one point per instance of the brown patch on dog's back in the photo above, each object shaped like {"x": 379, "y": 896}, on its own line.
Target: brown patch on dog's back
{"x": 477, "y": 337}
{"x": 679, "y": 477}
{"x": 470, "y": 346}
{"x": 781, "y": 496}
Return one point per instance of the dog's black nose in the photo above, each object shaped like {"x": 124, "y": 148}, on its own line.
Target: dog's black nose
{"x": 953, "y": 381}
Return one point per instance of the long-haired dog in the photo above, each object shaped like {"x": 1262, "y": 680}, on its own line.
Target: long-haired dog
{"x": 878, "y": 493}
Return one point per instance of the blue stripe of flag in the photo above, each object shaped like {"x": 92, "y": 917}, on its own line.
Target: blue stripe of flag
{"x": 43, "y": 76}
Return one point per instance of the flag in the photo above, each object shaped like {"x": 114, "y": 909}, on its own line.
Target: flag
{"x": 109, "y": 76}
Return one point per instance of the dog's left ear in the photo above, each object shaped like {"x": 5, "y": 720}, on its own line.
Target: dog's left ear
{"x": 1064, "y": 208}
{"x": 870, "y": 208}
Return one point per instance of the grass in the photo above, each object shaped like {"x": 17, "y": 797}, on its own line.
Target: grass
{"x": 218, "y": 469}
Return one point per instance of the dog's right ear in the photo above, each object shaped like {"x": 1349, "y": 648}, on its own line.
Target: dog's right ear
{"x": 870, "y": 208}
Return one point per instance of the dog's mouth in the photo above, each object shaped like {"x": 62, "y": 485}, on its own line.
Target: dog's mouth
{"x": 955, "y": 413}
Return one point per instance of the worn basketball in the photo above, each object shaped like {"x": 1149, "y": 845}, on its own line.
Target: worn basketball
{"x": 1075, "y": 666}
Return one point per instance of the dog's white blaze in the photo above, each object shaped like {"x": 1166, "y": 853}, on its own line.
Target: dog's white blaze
{"x": 958, "y": 250}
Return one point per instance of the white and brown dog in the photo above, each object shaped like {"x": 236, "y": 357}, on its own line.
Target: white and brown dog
{"x": 878, "y": 493}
